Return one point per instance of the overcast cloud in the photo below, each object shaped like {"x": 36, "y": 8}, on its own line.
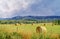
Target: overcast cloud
{"x": 10, "y": 8}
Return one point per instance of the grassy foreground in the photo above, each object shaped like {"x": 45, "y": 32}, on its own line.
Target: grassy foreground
{"x": 28, "y": 31}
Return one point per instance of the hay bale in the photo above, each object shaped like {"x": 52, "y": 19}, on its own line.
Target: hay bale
{"x": 32, "y": 23}
{"x": 44, "y": 24}
{"x": 16, "y": 24}
{"x": 41, "y": 30}
{"x": 38, "y": 29}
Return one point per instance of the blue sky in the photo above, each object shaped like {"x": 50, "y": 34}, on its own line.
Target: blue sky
{"x": 11, "y": 8}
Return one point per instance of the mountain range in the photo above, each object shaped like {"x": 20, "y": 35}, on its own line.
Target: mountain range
{"x": 31, "y": 18}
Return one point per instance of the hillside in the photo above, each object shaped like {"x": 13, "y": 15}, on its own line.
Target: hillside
{"x": 31, "y": 18}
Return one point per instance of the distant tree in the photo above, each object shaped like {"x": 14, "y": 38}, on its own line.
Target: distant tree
{"x": 0, "y": 22}
{"x": 56, "y": 22}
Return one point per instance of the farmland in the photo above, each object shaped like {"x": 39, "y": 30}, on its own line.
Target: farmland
{"x": 28, "y": 29}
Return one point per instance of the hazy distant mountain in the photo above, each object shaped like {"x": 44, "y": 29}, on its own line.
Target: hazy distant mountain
{"x": 36, "y": 17}
{"x": 31, "y": 18}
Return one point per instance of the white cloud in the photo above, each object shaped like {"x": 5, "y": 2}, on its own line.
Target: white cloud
{"x": 7, "y": 7}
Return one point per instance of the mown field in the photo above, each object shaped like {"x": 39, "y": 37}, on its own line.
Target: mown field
{"x": 27, "y": 31}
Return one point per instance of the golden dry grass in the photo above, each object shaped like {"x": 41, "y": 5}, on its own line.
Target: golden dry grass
{"x": 27, "y": 30}
{"x": 26, "y": 35}
{"x": 54, "y": 36}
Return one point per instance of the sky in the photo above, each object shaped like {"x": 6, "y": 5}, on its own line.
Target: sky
{"x": 11, "y": 8}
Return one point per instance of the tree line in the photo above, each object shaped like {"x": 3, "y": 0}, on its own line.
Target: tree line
{"x": 29, "y": 22}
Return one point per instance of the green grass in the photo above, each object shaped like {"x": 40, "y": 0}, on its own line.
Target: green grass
{"x": 28, "y": 28}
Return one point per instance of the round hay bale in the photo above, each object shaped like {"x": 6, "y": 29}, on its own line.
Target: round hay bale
{"x": 38, "y": 29}
{"x": 16, "y": 24}
{"x": 41, "y": 30}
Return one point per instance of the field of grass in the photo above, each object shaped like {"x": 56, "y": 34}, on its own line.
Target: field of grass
{"x": 27, "y": 29}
